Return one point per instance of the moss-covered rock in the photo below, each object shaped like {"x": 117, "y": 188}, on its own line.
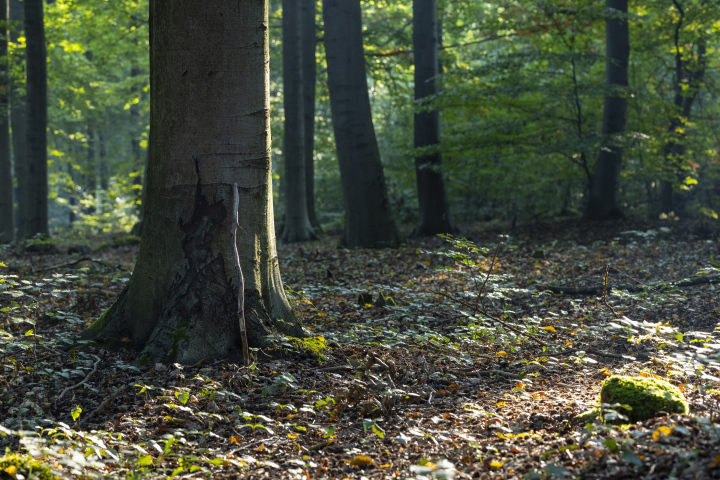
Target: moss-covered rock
{"x": 41, "y": 244}
{"x": 125, "y": 241}
{"x": 310, "y": 346}
{"x": 13, "y": 465}
{"x": 646, "y": 396}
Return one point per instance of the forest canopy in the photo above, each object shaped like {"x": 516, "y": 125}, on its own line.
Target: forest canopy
{"x": 520, "y": 95}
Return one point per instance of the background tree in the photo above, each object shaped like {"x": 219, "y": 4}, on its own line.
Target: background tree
{"x": 297, "y": 226}
{"x": 18, "y": 118}
{"x": 369, "y": 220}
{"x": 605, "y": 182}
{"x": 434, "y": 210}
{"x": 308, "y": 40}
{"x": 36, "y": 214}
{"x": 209, "y": 128}
{"x": 688, "y": 73}
{"x": 7, "y": 211}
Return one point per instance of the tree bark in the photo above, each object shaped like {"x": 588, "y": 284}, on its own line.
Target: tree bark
{"x": 308, "y": 40}
{"x": 369, "y": 221}
{"x": 36, "y": 218}
{"x": 297, "y": 222}
{"x": 18, "y": 119}
{"x": 434, "y": 215}
{"x": 605, "y": 184}
{"x": 209, "y": 128}
{"x": 7, "y": 211}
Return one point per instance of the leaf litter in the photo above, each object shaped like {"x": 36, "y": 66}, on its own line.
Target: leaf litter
{"x": 448, "y": 359}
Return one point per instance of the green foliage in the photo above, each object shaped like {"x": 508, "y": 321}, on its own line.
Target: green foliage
{"x": 14, "y": 464}
{"x": 646, "y": 396}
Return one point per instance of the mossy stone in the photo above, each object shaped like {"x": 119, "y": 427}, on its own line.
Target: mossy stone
{"x": 26, "y": 466}
{"x": 647, "y": 396}
{"x": 126, "y": 240}
{"x": 311, "y": 346}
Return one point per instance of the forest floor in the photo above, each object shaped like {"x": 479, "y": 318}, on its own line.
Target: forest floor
{"x": 446, "y": 383}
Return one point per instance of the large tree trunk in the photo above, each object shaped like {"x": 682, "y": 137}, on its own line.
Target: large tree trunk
{"x": 308, "y": 40}
{"x": 18, "y": 118}
{"x": 36, "y": 218}
{"x": 434, "y": 215}
{"x": 209, "y": 128}
{"x": 369, "y": 220}
{"x": 604, "y": 188}
{"x": 297, "y": 222}
{"x": 7, "y": 212}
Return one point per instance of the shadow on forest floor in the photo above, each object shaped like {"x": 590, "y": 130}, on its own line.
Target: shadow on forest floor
{"x": 441, "y": 383}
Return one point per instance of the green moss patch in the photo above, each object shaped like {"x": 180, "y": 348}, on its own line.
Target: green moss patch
{"x": 310, "y": 346}
{"x": 13, "y": 464}
{"x": 98, "y": 325}
{"x": 125, "y": 241}
{"x": 646, "y": 397}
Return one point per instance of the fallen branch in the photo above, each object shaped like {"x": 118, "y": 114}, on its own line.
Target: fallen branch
{"x": 239, "y": 275}
{"x": 497, "y": 372}
{"x": 104, "y": 404}
{"x": 632, "y": 288}
{"x": 74, "y": 262}
{"x": 95, "y": 367}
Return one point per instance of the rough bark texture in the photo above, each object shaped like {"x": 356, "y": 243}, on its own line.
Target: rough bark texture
{"x": 297, "y": 222}
{"x": 369, "y": 220}
{"x": 434, "y": 215}
{"x": 36, "y": 210}
{"x": 603, "y": 202}
{"x": 308, "y": 39}
{"x": 18, "y": 120}
{"x": 210, "y": 127}
{"x": 7, "y": 212}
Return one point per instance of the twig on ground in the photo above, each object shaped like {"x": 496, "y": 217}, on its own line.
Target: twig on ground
{"x": 605, "y": 291}
{"x": 628, "y": 287}
{"x": 496, "y": 372}
{"x": 95, "y": 367}
{"x": 104, "y": 404}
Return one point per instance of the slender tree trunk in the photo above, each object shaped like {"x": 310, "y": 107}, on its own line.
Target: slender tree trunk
{"x": 605, "y": 184}
{"x": 36, "y": 61}
{"x": 369, "y": 220}
{"x": 297, "y": 222}
{"x": 209, "y": 128}
{"x": 683, "y": 101}
{"x": 308, "y": 40}
{"x": 434, "y": 209}
{"x": 18, "y": 119}
{"x": 7, "y": 211}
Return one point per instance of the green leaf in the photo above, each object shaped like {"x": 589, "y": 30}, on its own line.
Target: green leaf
{"x": 679, "y": 336}
{"x": 378, "y": 431}
{"x": 76, "y": 413}
{"x": 29, "y": 332}
{"x": 557, "y": 470}
{"x": 183, "y": 397}
{"x": 144, "y": 460}
{"x": 610, "y": 444}
{"x": 631, "y": 457}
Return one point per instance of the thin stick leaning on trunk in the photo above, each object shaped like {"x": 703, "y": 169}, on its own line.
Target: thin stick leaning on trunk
{"x": 239, "y": 275}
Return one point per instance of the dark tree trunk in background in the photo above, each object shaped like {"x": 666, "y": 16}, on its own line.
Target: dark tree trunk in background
{"x": 18, "y": 119}
{"x": 690, "y": 74}
{"x": 434, "y": 215}
{"x": 36, "y": 218}
{"x": 308, "y": 39}
{"x": 7, "y": 211}
{"x": 297, "y": 222}
{"x": 209, "y": 128}
{"x": 603, "y": 203}
{"x": 369, "y": 220}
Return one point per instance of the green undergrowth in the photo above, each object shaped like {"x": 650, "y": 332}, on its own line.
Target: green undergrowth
{"x": 14, "y": 465}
